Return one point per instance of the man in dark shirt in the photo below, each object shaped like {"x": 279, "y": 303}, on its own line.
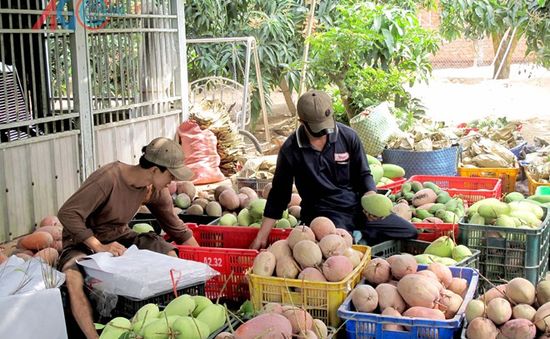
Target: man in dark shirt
{"x": 327, "y": 163}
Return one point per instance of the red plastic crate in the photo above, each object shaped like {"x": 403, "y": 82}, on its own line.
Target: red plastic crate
{"x": 225, "y": 249}
{"x": 395, "y": 186}
{"x": 434, "y": 231}
{"x": 468, "y": 189}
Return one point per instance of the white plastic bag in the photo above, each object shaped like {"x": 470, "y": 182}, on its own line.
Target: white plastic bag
{"x": 141, "y": 274}
{"x": 37, "y": 314}
{"x": 18, "y": 276}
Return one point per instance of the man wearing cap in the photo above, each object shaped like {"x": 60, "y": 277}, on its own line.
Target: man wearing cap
{"x": 95, "y": 218}
{"x": 327, "y": 163}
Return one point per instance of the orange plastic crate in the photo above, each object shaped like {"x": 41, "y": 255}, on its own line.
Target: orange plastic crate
{"x": 225, "y": 249}
{"x": 533, "y": 184}
{"x": 430, "y": 231}
{"x": 507, "y": 175}
{"x": 468, "y": 189}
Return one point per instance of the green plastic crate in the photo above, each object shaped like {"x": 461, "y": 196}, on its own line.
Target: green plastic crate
{"x": 543, "y": 190}
{"x": 506, "y": 252}
{"x": 414, "y": 247}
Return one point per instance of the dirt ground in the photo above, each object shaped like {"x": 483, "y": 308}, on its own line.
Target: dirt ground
{"x": 462, "y": 95}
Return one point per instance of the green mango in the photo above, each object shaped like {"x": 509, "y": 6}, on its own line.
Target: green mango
{"x": 513, "y": 196}
{"x": 432, "y": 186}
{"x": 406, "y": 187}
{"x": 373, "y": 161}
{"x": 423, "y": 214}
{"x": 416, "y": 186}
{"x": 451, "y": 205}
{"x": 477, "y": 219}
{"x": 436, "y": 207}
{"x": 443, "y": 197}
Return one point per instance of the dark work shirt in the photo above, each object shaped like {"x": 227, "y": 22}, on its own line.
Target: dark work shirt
{"x": 330, "y": 182}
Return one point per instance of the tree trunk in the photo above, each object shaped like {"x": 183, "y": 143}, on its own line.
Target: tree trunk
{"x": 283, "y": 84}
{"x": 503, "y": 58}
{"x": 344, "y": 95}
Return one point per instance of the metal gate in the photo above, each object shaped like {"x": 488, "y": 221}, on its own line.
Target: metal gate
{"x": 82, "y": 83}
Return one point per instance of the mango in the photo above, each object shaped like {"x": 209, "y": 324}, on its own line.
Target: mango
{"x": 256, "y": 208}
{"x": 416, "y": 186}
{"x": 292, "y": 220}
{"x": 443, "y": 197}
{"x": 377, "y": 172}
{"x": 377, "y": 204}
{"x": 461, "y": 252}
{"x": 477, "y": 219}
{"x": 473, "y": 209}
{"x": 373, "y": 161}
{"x": 436, "y": 207}
{"x": 445, "y": 261}
{"x": 157, "y": 329}
{"x": 424, "y": 259}
{"x": 142, "y": 228}
{"x": 228, "y": 220}
{"x": 201, "y": 302}
{"x": 182, "y": 306}
{"x": 528, "y": 205}
{"x": 138, "y": 327}
{"x": 492, "y": 208}
{"x": 406, "y": 187}
{"x": 448, "y": 217}
{"x": 408, "y": 196}
{"x": 513, "y": 196}
{"x": 149, "y": 310}
{"x": 282, "y": 223}
{"x": 214, "y": 316}
{"x": 182, "y": 201}
{"x": 189, "y": 328}
{"x": 393, "y": 171}
{"x": 243, "y": 218}
{"x": 526, "y": 218}
{"x": 505, "y": 221}
{"x": 115, "y": 328}
{"x": 451, "y": 205}
{"x": 423, "y": 214}
{"x": 441, "y": 247}
{"x": 432, "y": 186}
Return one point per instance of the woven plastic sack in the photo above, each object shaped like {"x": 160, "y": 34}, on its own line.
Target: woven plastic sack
{"x": 201, "y": 154}
{"x": 374, "y": 126}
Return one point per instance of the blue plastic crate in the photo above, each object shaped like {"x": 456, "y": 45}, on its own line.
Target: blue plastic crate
{"x": 369, "y": 325}
{"x": 390, "y": 247}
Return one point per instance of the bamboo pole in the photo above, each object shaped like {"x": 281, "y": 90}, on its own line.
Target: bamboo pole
{"x": 309, "y": 27}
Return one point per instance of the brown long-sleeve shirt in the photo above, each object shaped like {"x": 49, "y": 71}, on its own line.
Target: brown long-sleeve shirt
{"x": 105, "y": 203}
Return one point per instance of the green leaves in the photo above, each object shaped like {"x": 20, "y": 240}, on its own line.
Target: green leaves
{"x": 370, "y": 52}
{"x": 475, "y": 19}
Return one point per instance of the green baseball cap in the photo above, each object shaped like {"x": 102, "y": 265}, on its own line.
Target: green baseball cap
{"x": 167, "y": 153}
{"x": 315, "y": 109}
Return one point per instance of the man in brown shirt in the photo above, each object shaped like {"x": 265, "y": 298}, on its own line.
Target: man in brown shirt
{"x": 95, "y": 218}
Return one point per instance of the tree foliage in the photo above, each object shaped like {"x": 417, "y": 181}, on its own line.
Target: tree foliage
{"x": 371, "y": 36}
{"x": 277, "y": 26}
{"x": 475, "y": 19}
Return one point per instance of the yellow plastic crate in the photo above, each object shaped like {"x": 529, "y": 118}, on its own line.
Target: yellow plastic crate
{"x": 533, "y": 184}
{"x": 507, "y": 175}
{"x": 320, "y": 299}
